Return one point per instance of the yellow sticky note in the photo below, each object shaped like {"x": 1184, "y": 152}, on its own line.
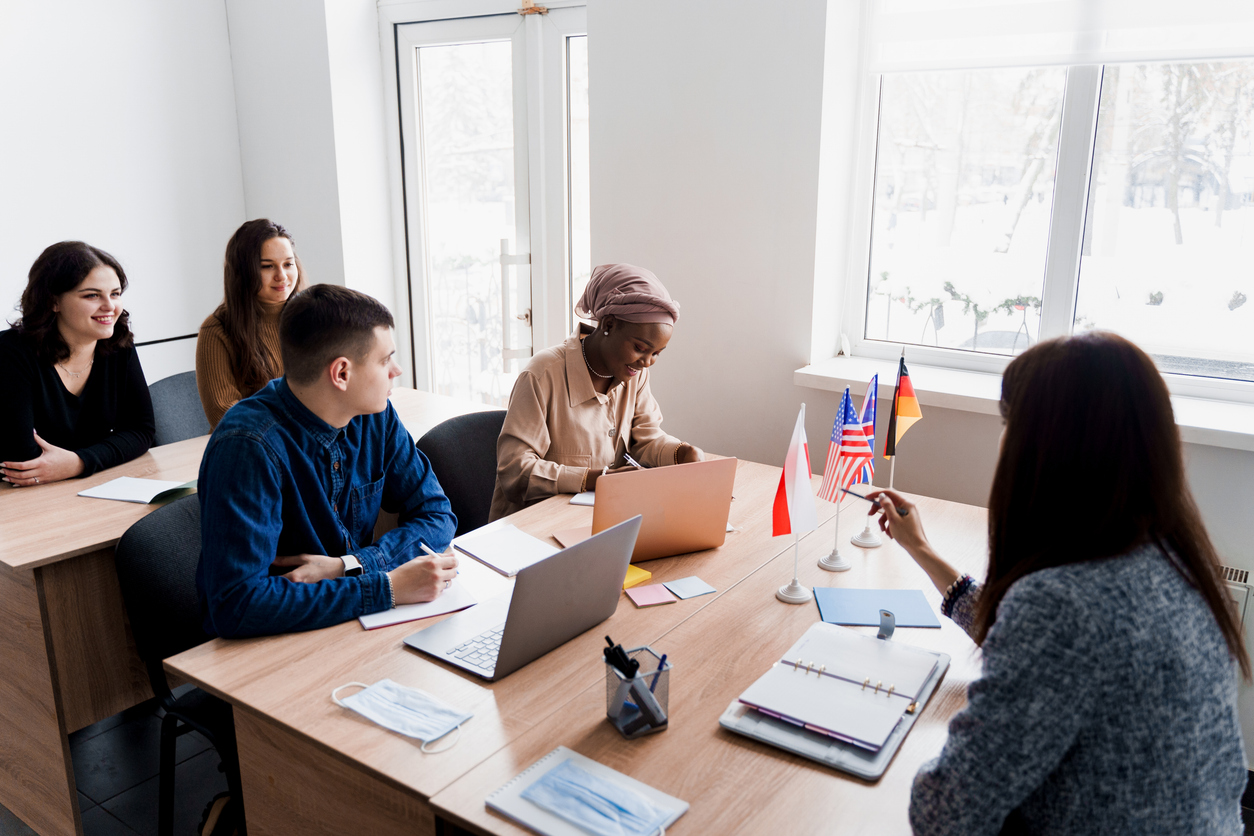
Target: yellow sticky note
{"x": 635, "y": 577}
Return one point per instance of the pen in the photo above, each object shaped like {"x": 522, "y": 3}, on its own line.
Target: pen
{"x": 661, "y": 663}
{"x": 637, "y": 465}
{"x": 902, "y": 511}
{"x": 428, "y": 550}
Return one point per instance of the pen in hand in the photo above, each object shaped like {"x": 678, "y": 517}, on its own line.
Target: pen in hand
{"x": 429, "y": 551}
{"x": 902, "y": 511}
{"x": 637, "y": 465}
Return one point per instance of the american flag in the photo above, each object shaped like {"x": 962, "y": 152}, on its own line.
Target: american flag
{"x": 847, "y": 452}
{"x": 867, "y": 473}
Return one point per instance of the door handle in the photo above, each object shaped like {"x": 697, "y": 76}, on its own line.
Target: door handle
{"x": 507, "y": 260}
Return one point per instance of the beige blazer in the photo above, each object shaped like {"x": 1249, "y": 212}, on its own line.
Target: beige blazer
{"x": 558, "y": 427}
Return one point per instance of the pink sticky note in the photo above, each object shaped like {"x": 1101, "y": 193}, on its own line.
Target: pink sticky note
{"x": 651, "y": 595}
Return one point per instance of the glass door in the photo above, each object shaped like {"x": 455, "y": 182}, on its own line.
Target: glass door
{"x": 488, "y": 188}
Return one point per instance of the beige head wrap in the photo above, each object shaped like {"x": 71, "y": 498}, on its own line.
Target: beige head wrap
{"x": 626, "y": 292}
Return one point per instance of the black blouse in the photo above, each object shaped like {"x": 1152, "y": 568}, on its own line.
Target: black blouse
{"x": 108, "y": 423}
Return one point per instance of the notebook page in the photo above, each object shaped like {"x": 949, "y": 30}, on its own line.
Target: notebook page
{"x": 859, "y": 715}
{"x": 856, "y": 657}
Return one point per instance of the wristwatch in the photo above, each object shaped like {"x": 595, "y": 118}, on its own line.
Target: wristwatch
{"x": 352, "y": 566}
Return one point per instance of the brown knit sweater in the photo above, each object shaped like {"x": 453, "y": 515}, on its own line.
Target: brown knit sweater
{"x": 219, "y": 390}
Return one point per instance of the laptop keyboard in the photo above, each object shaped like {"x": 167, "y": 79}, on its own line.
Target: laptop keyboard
{"x": 481, "y": 651}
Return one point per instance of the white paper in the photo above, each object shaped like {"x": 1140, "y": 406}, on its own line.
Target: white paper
{"x": 506, "y": 549}
{"x": 585, "y": 498}
{"x": 130, "y": 489}
{"x": 455, "y": 598}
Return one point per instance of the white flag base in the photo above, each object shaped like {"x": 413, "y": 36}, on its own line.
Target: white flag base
{"x": 794, "y": 593}
{"x": 866, "y": 539}
{"x": 835, "y": 562}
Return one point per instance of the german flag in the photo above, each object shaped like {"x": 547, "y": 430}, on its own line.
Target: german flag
{"x": 905, "y": 410}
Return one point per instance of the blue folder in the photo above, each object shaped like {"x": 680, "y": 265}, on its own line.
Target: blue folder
{"x": 862, "y": 606}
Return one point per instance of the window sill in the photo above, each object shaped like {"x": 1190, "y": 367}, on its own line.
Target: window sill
{"x": 1213, "y": 423}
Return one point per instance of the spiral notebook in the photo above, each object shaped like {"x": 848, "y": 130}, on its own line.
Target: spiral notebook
{"x": 841, "y": 683}
{"x": 508, "y": 800}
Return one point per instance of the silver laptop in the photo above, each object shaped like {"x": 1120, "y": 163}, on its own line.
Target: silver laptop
{"x": 552, "y": 602}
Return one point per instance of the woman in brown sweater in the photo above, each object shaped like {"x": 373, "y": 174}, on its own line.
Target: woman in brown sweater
{"x": 237, "y": 351}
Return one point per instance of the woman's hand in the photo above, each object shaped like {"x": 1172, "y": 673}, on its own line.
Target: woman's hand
{"x": 907, "y": 530}
{"x": 53, "y": 465}
{"x": 688, "y": 453}
{"x": 310, "y": 568}
{"x": 594, "y": 475}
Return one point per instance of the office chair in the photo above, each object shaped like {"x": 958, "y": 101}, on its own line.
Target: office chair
{"x": 176, "y": 408}
{"x": 156, "y": 564}
{"x": 462, "y": 451}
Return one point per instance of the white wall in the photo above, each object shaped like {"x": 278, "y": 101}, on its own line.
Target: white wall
{"x": 309, "y": 91}
{"x": 704, "y": 153}
{"x": 119, "y": 129}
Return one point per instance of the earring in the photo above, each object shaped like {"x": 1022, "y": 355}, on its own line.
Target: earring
{"x": 607, "y": 333}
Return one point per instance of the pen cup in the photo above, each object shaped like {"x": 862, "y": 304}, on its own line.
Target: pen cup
{"x": 639, "y": 705}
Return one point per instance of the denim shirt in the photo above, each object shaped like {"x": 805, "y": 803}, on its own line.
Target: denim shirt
{"x": 278, "y": 480}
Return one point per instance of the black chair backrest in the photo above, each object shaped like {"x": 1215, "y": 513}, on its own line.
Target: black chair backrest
{"x": 177, "y": 410}
{"x": 156, "y": 564}
{"x": 462, "y": 451}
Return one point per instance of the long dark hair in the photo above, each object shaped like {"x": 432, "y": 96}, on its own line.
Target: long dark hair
{"x": 59, "y": 269}
{"x": 252, "y": 363}
{"x": 1093, "y": 409}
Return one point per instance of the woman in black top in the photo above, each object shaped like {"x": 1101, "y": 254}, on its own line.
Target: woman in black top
{"x": 78, "y": 401}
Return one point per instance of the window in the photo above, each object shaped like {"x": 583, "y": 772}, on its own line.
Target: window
{"x": 1041, "y": 172}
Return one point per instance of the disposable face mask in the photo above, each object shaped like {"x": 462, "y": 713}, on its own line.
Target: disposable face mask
{"x": 594, "y": 804}
{"x": 408, "y": 711}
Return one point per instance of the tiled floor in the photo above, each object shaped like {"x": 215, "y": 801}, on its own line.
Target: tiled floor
{"x": 115, "y": 766}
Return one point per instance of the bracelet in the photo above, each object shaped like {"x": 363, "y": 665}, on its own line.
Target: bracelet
{"x": 583, "y": 483}
{"x": 675, "y": 455}
{"x": 391, "y": 591}
{"x": 955, "y": 591}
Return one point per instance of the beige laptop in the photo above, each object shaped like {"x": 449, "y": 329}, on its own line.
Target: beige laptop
{"x": 685, "y": 507}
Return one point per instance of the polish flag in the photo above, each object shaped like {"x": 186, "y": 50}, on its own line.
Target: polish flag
{"x": 794, "y": 511}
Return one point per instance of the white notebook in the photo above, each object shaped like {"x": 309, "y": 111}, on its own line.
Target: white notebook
{"x": 508, "y": 800}
{"x": 455, "y": 598}
{"x": 843, "y": 684}
{"x": 504, "y": 548}
{"x": 143, "y": 491}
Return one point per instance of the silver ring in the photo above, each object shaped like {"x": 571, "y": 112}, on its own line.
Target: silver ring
{"x": 447, "y": 584}
{"x": 36, "y": 480}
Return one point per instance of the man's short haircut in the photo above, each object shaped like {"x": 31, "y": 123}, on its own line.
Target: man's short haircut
{"x": 324, "y": 322}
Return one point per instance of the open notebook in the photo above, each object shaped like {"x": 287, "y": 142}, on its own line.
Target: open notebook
{"x": 845, "y": 685}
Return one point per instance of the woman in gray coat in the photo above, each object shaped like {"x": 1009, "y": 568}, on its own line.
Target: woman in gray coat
{"x": 1108, "y": 698}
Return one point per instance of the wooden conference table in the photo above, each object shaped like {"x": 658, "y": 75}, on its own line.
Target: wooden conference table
{"x": 310, "y": 766}
{"x": 65, "y": 645}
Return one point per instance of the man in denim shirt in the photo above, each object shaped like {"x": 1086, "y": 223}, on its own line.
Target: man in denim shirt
{"x": 294, "y": 477}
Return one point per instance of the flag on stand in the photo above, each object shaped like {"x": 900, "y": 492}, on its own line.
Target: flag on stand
{"x": 847, "y": 451}
{"x": 794, "y": 510}
{"x": 867, "y": 473}
{"x": 905, "y": 411}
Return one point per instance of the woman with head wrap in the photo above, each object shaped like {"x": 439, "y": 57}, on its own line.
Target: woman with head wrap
{"x": 578, "y": 407}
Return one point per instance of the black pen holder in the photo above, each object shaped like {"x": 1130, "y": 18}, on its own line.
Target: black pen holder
{"x": 639, "y": 705}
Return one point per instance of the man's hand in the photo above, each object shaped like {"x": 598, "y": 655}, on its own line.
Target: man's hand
{"x": 311, "y": 568}
{"x": 423, "y": 578}
{"x": 53, "y": 465}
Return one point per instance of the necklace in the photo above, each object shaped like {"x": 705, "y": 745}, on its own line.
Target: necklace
{"x": 77, "y": 375}
{"x": 583, "y": 346}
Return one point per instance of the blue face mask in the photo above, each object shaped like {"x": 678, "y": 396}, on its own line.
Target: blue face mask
{"x": 408, "y": 711}
{"x": 594, "y": 804}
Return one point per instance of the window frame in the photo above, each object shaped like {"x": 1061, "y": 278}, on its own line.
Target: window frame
{"x": 1068, "y": 219}
{"x": 546, "y": 153}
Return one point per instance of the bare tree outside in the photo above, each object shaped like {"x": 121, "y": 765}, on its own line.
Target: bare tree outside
{"x": 1167, "y": 261}
{"x": 963, "y": 192}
